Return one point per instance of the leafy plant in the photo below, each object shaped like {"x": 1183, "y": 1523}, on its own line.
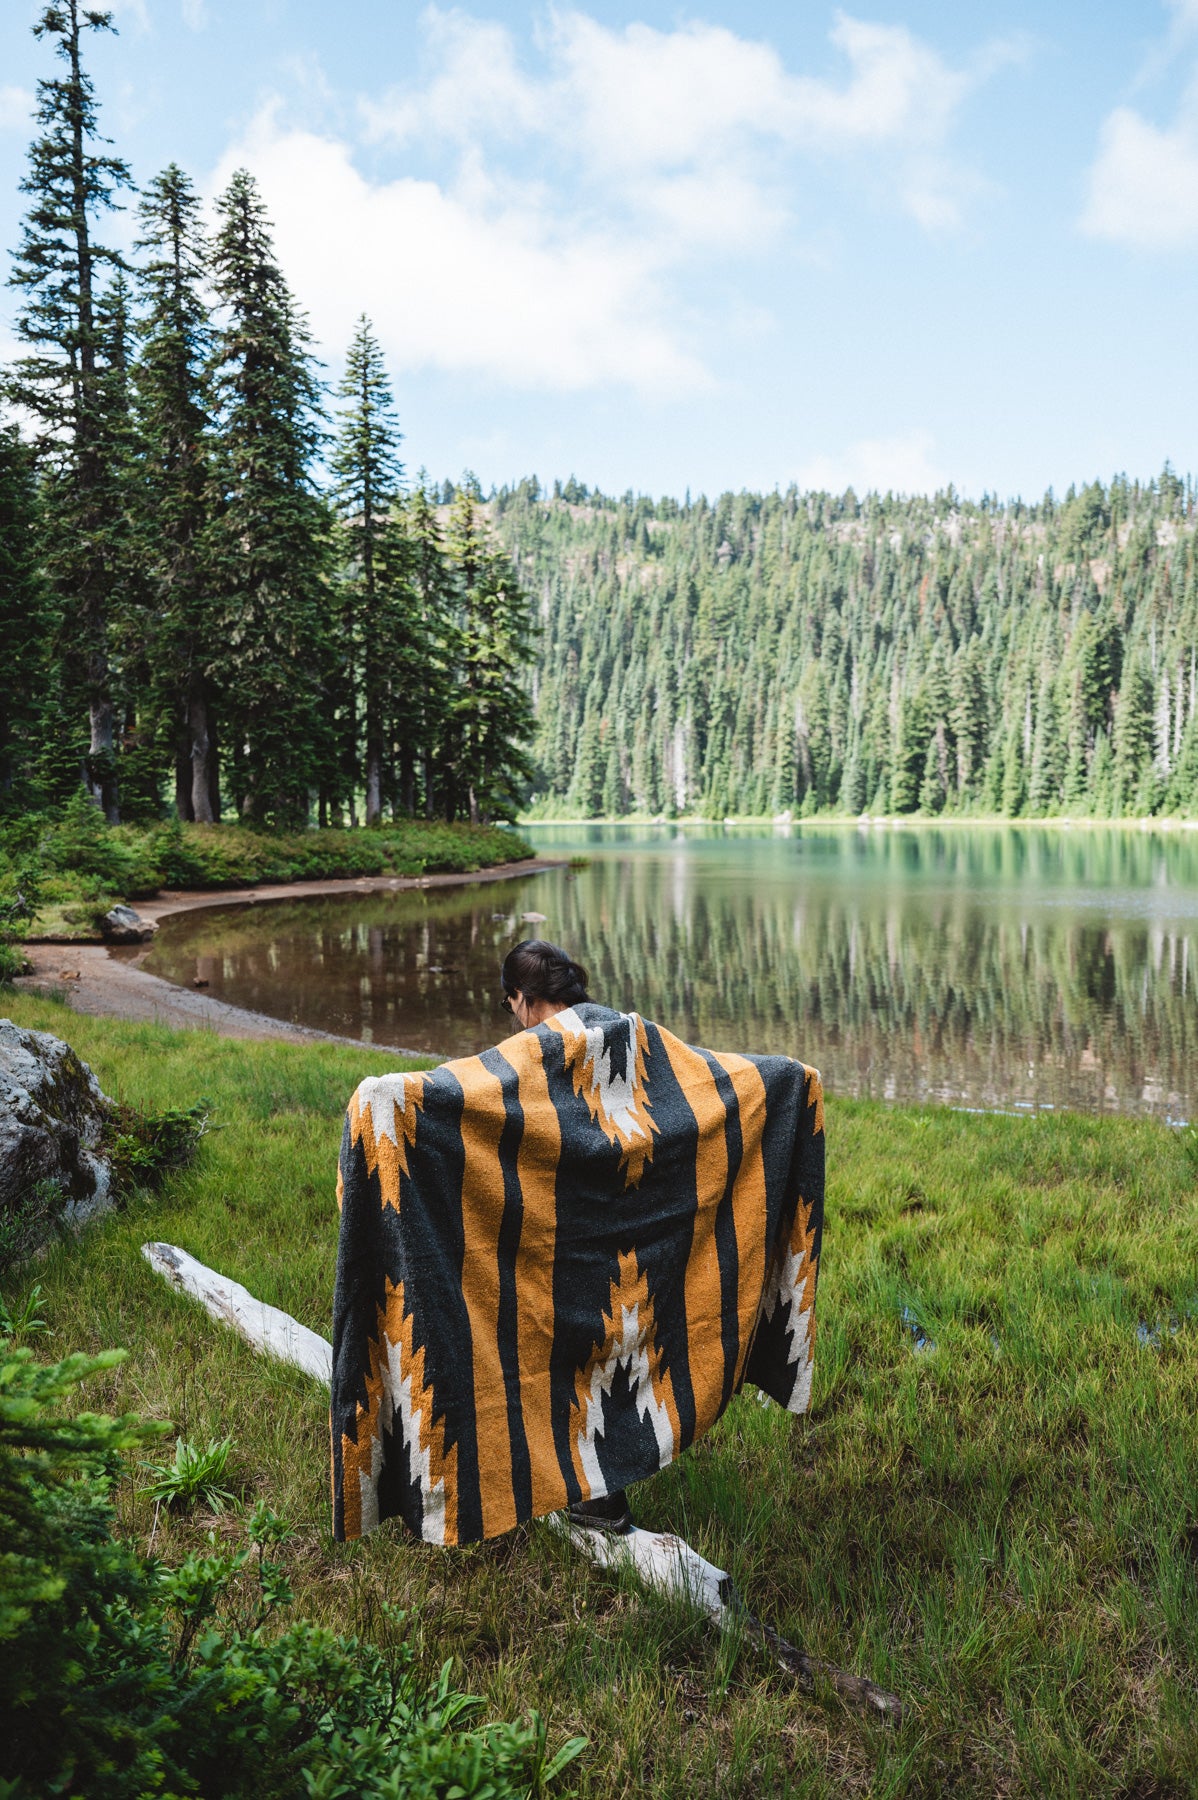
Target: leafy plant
{"x": 24, "y": 1319}
{"x": 143, "y": 1147}
{"x": 122, "y": 1680}
{"x": 78, "y": 839}
{"x": 20, "y": 895}
{"x": 194, "y": 1475}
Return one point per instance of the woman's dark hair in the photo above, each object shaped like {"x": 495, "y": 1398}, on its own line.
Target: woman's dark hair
{"x": 542, "y": 971}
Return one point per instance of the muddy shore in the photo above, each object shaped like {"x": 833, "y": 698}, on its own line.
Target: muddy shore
{"x": 107, "y": 981}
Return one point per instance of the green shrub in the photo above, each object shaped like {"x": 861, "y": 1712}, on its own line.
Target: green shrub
{"x": 215, "y": 856}
{"x": 121, "y": 1680}
{"x": 74, "y": 861}
{"x": 119, "y": 857}
{"x": 20, "y": 895}
{"x": 29, "y": 1221}
{"x": 143, "y": 1147}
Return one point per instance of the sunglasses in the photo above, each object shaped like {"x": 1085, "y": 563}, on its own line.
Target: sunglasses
{"x": 505, "y": 1000}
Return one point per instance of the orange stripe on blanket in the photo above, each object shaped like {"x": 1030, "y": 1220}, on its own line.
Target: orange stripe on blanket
{"x": 483, "y": 1119}
{"x": 704, "y": 1350}
{"x": 748, "y": 1198}
{"x": 536, "y": 1167}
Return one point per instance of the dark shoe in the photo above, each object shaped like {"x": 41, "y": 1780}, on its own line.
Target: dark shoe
{"x": 610, "y": 1513}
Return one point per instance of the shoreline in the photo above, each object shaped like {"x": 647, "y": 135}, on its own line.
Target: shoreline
{"x": 889, "y": 821}
{"x": 106, "y": 981}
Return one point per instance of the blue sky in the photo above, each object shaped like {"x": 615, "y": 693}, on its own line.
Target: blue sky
{"x": 891, "y": 244}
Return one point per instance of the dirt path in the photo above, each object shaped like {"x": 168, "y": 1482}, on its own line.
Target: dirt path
{"x": 105, "y": 982}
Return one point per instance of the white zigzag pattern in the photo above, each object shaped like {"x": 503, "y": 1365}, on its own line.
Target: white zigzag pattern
{"x": 616, "y": 1093}
{"x": 397, "y": 1398}
{"x": 783, "y": 1286}
{"x": 380, "y": 1095}
{"x": 631, "y": 1353}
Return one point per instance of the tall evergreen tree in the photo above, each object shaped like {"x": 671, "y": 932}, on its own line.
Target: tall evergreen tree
{"x": 68, "y": 378}
{"x": 377, "y": 612}
{"x": 492, "y": 709}
{"x": 173, "y": 419}
{"x": 424, "y": 713}
{"x": 270, "y": 534}
{"x": 26, "y": 624}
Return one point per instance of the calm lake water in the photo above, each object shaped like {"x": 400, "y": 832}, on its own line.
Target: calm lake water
{"x": 997, "y": 967}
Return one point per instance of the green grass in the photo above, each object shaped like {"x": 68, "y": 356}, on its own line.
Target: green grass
{"x": 1002, "y": 1529}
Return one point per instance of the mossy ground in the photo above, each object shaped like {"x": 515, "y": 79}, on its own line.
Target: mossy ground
{"x": 1002, "y": 1528}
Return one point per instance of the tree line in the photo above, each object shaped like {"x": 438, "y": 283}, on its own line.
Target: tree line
{"x": 796, "y": 653}
{"x": 211, "y": 594}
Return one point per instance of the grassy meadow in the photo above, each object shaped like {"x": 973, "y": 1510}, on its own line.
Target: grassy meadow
{"x": 992, "y": 1509}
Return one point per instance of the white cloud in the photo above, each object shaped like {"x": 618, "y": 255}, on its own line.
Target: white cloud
{"x": 900, "y": 465}
{"x": 1143, "y": 185}
{"x": 449, "y": 286}
{"x": 195, "y": 14}
{"x": 695, "y": 125}
{"x": 553, "y": 195}
{"x": 16, "y": 106}
{"x": 1185, "y": 14}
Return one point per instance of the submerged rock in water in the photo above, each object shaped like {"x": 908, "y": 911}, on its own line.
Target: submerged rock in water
{"x": 52, "y": 1118}
{"x": 122, "y": 925}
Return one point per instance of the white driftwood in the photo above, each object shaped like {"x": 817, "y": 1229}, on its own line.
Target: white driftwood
{"x": 669, "y": 1565}
{"x": 263, "y": 1327}
{"x": 664, "y": 1563}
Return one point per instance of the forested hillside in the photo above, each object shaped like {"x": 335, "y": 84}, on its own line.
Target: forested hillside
{"x": 794, "y": 652}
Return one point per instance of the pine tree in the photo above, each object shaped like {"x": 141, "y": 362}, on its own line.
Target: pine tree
{"x": 1133, "y": 735}
{"x": 1048, "y": 752}
{"x": 587, "y": 785}
{"x": 492, "y": 709}
{"x": 130, "y": 597}
{"x": 26, "y": 625}
{"x": 1014, "y": 776}
{"x": 424, "y": 748}
{"x": 172, "y": 411}
{"x": 377, "y": 603}
{"x": 67, "y": 379}
{"x": 910, "y": 755}
{"x": 270, "y": 536}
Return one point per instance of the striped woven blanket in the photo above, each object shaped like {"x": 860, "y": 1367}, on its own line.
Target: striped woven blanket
{"x": 558, "y": 1261}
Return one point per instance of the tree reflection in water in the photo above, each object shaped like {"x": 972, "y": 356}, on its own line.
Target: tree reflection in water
{"x": 991, "y": 967}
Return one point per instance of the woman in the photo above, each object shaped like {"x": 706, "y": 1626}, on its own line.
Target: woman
{"x": 539, "y": 980}
{"x": 559, "y": 1259}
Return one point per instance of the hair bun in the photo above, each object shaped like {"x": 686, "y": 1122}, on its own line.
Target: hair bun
{"x": 543, "y": 971}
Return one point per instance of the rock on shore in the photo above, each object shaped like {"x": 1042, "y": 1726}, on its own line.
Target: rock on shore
{"x": 52, "y": 1118}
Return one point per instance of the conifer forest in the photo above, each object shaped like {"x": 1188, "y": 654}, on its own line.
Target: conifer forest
{"x": 220, "y": 597}
{"x": 217, "y": 593}
{"x": 791, "y": 653}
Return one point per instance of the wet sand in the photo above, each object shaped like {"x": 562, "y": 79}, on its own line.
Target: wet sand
{"x": 106, "y": 981}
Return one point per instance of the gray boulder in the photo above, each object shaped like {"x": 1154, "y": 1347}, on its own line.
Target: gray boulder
{"x": 52, "y": 1117}
{"x": 123, "y": 926}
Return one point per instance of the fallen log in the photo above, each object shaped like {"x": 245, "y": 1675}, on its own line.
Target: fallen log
{"x": 669, "y": 1565}
{"x": 264, "y": 1328}
{"x": 664, "y": 1563}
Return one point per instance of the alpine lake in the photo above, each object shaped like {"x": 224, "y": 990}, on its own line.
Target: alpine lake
{"x": 997, "y": 967}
